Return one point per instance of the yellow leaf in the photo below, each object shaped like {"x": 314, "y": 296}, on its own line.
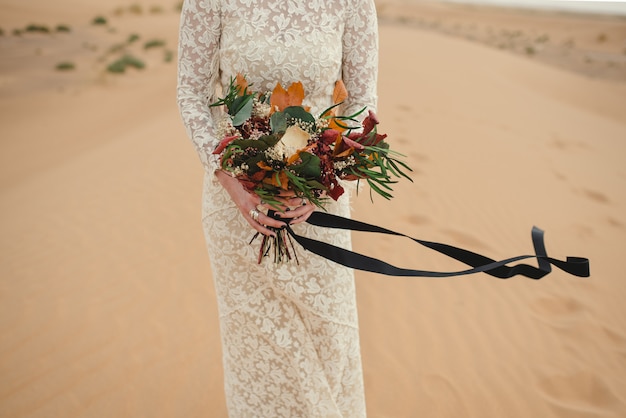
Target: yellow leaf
{"x": 333, "y": 125}
{"x": 279, "y": 179}
{"x": 295, "y": 92}
{"x": 284, "y": 180}
{"x": 263, "y": 166}
{"x": 279, "y": 99}
{"x": 295, "y": 157}
{"x": 241, "y": 83}
{"x": 341, "y": 93}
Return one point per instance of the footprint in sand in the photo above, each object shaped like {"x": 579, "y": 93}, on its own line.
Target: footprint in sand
{"x": 614, "y": 222}
{"x": 422, "y": 158}
{"x": 564, "y": 144}
{"x": 551, "y": 309}
{"x": 401, "y": 139}
{"x": 577, "y": 329}
{"x": 596, "y": 196}
{"x": 583, "y": 392}
{"x": 416, "y": 220}
{"x": 559, "y": 176}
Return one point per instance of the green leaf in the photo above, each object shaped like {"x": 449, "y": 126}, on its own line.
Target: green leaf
{"x": 297, "y": 112}
{"x": 314, "y": 184}
{"x": 250, "y": 143}
{"x": 278, "y": 122}
{"x": 269, "y": 140}
{"x": 378, "y": 190}
{"x": 393, "y": 163}
{"x": 328, "y": 109}
{"x": 244, "y": 112}
{"x": 309, "y": 167}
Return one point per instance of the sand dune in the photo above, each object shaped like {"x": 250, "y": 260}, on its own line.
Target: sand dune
{"x": 107, "y": 306}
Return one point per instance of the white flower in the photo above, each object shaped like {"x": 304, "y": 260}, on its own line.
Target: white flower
{"x": 260, "y": 109}
{"x": 295, "y": 138}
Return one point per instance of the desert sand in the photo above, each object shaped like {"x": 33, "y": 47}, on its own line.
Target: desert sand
{"x": 106, "y": 301}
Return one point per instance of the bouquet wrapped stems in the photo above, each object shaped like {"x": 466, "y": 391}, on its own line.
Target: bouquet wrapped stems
{"x": 277, "y": 246}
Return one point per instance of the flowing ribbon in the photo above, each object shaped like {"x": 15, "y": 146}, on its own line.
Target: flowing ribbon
{"x": 576, "y": 266}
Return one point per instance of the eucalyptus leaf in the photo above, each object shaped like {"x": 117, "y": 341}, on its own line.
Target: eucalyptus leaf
{"x": 309, "y": 167}
{"x": 270, "y": 140}
{"x": 278, "y": 122}
{"x": 314, "y": 184}
{"x": 244, "y": 113}
{"x": 253, "y": 168}
{"x": 297, "y": 112}
{"x": 250, "y": 143}
{"x": 238, "y": 103}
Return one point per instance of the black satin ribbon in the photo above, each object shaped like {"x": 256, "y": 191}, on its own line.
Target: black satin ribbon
{"x": 576, "y": 266}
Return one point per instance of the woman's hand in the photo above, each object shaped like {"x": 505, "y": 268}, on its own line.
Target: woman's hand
{"x": 247, "y": 203}
{"x": 297, "y": 210}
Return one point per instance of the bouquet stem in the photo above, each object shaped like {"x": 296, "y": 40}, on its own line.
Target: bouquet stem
{"x": 278, "y": 246}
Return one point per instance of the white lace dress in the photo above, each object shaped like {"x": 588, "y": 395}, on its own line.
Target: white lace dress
{"x": 289, "y": 332}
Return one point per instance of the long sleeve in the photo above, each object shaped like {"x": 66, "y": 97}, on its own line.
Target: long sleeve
{"x": 198, "y": 74}
{"x": 360, "y": 56}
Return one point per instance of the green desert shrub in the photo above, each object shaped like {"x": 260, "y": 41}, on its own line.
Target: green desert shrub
{"x": 155, "y": 43}
{"x": 136, "y": 9}
{"x": 99, "y": 20}
{"x": 169, "y": 55}
{"x": 133, "y": 38}
{"x": 37, "y": 28}
{"x": 63, "y": 28}
{"x": 65, "y": 66}
{"x": 120, "y": 65}
{"x": 116, "y": 48}
{"x": 156, "y": 9}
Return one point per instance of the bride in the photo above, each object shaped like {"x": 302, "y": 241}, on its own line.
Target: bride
{"x": 289, "y": 332}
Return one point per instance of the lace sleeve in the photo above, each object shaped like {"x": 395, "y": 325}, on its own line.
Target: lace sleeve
{"x": 198, "y": 73}
{"x": 360, "y": 56}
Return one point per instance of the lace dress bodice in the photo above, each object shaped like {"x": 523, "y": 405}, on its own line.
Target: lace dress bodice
{"x": 316, "y": 42}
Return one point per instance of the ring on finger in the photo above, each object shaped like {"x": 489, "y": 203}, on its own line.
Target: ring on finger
{"x": 254, "y": 214}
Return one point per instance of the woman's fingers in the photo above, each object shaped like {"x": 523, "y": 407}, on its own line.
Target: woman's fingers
{"x": 296, "y": 201}
{"x": 260, "y": 222}
{"x": 247, "y": 204}
{"x": 299, "y": 214}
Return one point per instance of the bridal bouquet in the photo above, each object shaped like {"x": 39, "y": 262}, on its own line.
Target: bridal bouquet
{"x": 275, "y": 147}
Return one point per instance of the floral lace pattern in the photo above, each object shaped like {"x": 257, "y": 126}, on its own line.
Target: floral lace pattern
{"x": 290, "y": 331}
